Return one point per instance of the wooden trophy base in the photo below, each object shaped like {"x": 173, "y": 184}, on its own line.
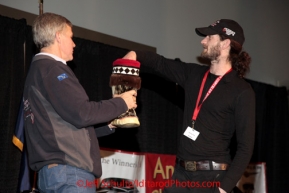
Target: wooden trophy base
{"x": 126, "y": 122}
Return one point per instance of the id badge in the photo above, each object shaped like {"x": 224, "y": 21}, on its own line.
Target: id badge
{"x": 191, "y": 133}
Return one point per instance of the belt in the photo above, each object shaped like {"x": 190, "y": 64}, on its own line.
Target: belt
{"x": 201, "y": 165}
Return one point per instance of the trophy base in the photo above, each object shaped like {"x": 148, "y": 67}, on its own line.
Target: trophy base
{"x": 126, "y": 122}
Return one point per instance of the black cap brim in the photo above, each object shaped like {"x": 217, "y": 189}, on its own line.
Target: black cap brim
{"x": 205, "y": 31}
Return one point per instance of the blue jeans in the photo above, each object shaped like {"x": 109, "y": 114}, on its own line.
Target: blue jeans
{"x": 64, "y": 178}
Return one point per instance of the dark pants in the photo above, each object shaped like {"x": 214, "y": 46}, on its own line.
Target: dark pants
{"x": 205, "y": 181}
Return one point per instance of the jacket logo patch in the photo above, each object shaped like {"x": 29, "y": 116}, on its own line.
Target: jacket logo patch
{"x": 62, "y": 77}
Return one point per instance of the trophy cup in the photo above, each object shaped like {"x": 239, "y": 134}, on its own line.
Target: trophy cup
{"x": 125, "y": 77}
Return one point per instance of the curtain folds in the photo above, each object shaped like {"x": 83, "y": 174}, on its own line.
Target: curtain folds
{"x": 272, "y": 132}
{"x": 12, "y": 39}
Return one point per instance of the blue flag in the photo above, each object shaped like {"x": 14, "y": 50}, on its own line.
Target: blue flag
{"x": 18, "y": 140}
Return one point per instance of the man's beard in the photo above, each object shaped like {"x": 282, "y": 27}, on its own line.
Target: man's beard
{"x": 213, "y": 54}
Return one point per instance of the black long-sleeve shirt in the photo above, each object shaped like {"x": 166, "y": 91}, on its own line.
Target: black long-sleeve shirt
{"x": 229, "y": 108}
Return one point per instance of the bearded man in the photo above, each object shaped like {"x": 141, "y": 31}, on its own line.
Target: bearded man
{"x": 219, "y": 104}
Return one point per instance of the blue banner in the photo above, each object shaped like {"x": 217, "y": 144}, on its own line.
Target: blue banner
{"x": 18, "y": 140}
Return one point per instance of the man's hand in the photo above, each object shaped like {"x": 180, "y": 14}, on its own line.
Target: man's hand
{"x": 130, "y": 55}
{"x": 111, "y": 126}
{"x": 129, "y": 98}
{"x": 221, "y": 190}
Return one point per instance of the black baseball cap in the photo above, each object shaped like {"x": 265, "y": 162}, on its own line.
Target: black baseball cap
{"x": 227, "y": 27}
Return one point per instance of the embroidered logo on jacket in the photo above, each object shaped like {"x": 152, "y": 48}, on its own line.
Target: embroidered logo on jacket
{"x": 62, "y": 77}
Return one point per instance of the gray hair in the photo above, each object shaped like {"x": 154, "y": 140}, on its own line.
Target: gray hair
{"x": 45, "y": 27}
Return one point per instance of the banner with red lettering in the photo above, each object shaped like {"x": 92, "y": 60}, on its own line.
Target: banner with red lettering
{"x": 137, "y": 172}
{"x": 151, "y": 173}
{"x": 159, "y": 169}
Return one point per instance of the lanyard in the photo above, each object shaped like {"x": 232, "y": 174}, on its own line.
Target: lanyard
{"x": 198, "y": 107}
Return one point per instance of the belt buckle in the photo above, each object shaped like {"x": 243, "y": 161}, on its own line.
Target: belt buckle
{"x": 191, "y": 165}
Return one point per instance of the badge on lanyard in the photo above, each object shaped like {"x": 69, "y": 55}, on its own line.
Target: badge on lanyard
{"x": 190, "y": 131}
